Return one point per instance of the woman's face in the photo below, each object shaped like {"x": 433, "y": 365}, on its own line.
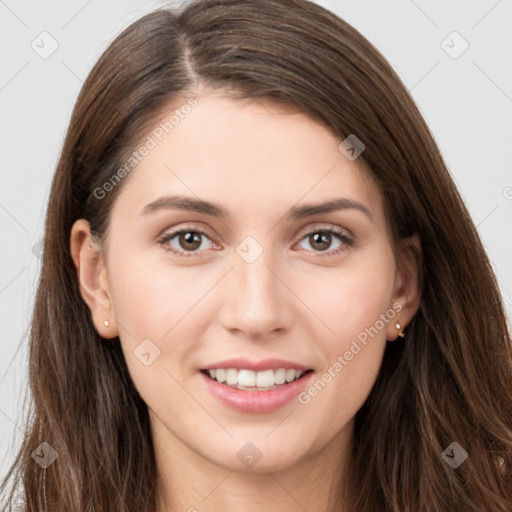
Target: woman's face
{"x": 255, "y": 281}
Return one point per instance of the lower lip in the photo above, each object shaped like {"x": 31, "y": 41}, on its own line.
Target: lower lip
{"x": 256, "y": 402}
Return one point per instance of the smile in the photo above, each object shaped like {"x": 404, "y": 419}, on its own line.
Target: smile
{"x": 245, "y": 379}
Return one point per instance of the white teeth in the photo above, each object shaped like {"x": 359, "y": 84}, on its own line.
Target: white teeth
{"x": 243, "y": 379}
{"x": 220, "y": 375}
{"x": 231, "y": 377}
{"x": 265, "y": 379}
{"x": 280, "y": 377}
{"x": 246, "y": 378}
{"x": 290, "y": 375}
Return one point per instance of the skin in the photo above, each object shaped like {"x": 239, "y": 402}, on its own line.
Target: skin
{"x": 297, "y": 301}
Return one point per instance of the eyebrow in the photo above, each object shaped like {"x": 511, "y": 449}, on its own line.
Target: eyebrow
{"x": 295, "y": 213}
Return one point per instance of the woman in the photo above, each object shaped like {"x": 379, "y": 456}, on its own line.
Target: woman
{"x": 260, "y": 287}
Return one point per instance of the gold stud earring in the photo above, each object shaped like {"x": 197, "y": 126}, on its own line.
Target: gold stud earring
{"x": 106, "y": 323}
{"x": 400, "y": 333}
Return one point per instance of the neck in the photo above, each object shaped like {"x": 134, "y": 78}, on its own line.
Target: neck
{"x": 189, "y": 482}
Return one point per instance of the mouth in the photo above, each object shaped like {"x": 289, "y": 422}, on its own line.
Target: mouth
{"x": 249, "y": 380}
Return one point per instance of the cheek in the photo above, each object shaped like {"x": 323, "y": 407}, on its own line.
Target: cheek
{"x": 147, "y": 306}
{"x": 138, "y": 300}
{"x": 151, "y": 298}
{"x": 352, "y": 297}
{"x": 151, "y": 310}
{"x": 357, "y": 307}
{"x": 160, "y": 315}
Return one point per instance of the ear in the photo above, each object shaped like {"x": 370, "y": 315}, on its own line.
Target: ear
{"x": 92, "y": 278}
{"x": 407, "y": 291}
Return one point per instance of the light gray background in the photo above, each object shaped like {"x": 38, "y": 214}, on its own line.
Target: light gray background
{"x": 467, "y": 102}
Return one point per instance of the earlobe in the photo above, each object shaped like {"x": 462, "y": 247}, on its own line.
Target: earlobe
{"x": 407, "y": 286}
{"x": 92, "y": 278}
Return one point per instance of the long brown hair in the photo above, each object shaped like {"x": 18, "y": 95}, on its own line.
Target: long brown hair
{"x": 451, "y": 381}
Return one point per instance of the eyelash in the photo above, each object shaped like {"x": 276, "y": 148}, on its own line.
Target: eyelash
{"x": 347, "y": 241}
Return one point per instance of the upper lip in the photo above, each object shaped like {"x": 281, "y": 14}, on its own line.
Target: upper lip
{"x": 256, "y": 366}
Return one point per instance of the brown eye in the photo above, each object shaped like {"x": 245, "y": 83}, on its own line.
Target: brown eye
{"x": 186, "y": 241}
{"x": 189, "y": 240}
{"x": 321, "y": 240}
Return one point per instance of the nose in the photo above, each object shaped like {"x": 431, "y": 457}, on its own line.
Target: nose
{"x": 257, "y": 302}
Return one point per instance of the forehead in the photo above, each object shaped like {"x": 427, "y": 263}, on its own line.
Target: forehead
{"x": 251, "y": 156}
